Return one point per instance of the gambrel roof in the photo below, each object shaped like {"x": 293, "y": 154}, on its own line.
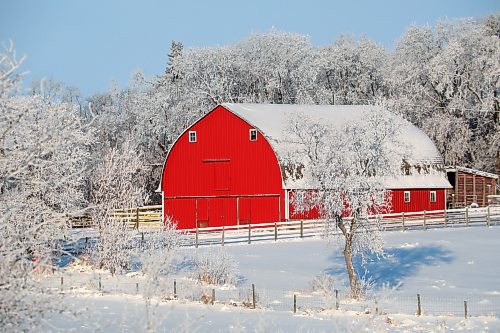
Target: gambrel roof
{"x": 272, "y": 119}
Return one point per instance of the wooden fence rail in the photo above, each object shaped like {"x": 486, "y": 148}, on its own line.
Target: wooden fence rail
{"x": 150, "y": 218}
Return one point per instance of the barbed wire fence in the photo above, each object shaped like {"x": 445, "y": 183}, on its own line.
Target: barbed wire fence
{"x": 298, "y": 301}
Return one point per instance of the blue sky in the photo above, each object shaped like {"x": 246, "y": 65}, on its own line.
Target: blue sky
{"x": 91, "y": 43}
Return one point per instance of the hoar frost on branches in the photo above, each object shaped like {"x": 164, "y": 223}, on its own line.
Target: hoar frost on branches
{"x": 43, "y": 152}
{"x": 115, "y": 184}
{"x": 346, "y": 170}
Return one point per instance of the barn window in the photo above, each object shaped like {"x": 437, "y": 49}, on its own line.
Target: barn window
{"x": 192, "y": 136}
{"x": 253, "y": 134}
{"x": 433, "y": 196}
{"x": 407, "y": 196}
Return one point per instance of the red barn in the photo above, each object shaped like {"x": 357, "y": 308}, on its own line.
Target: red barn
{"x": 227, "y": 168}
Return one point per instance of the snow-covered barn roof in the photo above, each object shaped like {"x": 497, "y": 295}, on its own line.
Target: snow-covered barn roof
{"x": 420, "y": 181}
{"x": 272, "y": 120}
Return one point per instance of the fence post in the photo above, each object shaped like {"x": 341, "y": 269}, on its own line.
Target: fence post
{"x": 249, "y": 234}
{"x": 301, "y": 229}
{"x": 336, "y": 299}
{"x": 213, "y": 296}
{"x": 488, "y": 217}
{"x": 467, "y": 216}
{"x": 62, "y": 281}
{"x": 137, "y": 287}
{"x": 275, "y": 231}
{"x": 253, "y": 295}
{"x": 100, "y": 285}
{"x": 175, "y": 289}
{"x": 465, "y": 309}
{"x": 294, "y": 303}
{"x": 403, "y": 222}
{"x": 425, "y": 220}
{"x": 196, "y": 238}
{"x": 419, "y": 306}
{"x": 142, "y": 237}
{"x": 136, "y": 218}
{"x": 223, "y": 229}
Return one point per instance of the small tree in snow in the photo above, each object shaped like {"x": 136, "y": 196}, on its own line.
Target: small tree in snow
{"x": 156, "y": 255}
{"x": 215, "y": 267}
{"x": 114, "y": 184}
{"x": 347, "y": 169}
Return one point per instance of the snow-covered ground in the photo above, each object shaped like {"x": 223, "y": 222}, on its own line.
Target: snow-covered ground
{"x": 445, "y": 266}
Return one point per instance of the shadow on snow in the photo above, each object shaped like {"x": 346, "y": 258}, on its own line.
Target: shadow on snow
{"x": 396, "y": 265}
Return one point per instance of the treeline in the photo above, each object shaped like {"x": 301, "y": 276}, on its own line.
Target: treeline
{"x": 444, "y": 79}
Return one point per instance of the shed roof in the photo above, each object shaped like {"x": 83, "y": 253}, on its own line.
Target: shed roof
{"x": 272, "y": 119}
{"x": 471, "y": 171}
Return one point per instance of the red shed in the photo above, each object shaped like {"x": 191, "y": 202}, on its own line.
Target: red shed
{"x": 228, "y": 167}
{"x": 470, "y": 186}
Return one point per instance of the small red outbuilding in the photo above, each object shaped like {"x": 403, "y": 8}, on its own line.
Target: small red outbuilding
{"x": 227, "y": 169}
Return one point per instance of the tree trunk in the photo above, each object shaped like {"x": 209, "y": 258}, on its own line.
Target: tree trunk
{"x": 353, "y": 279}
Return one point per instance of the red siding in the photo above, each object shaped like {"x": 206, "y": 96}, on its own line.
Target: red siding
{"x": 419, "y": 200}
{"x": 223, "y": 173}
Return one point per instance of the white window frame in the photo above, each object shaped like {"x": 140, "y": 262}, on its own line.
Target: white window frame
{"x": 194, "y": 138}
{"x": 407, "y": 194}
{"x": 432, "y": 195}
{"x": 250, "y": 132}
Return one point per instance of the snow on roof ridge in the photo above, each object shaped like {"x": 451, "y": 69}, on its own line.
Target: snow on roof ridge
{"x": 470, "y": 170}
{"x": 271, "y": 120}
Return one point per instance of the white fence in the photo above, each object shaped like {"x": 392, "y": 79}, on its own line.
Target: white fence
{"x": 147, "y": 219}
{"x": 249, "y": 233}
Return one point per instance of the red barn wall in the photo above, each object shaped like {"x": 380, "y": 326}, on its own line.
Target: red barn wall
{"x": 419, "y": 200}
{"x": 223, "y": 178}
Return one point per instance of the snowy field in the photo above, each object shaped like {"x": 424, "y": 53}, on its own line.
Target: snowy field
{"x": 445, "y": 266}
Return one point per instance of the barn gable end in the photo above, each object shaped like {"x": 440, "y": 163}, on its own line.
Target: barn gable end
{"x": 223, "y": 177}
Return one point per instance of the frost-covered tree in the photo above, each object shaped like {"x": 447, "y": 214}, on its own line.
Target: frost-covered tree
{"x": 44, "y": 149}
{"x": 346, "y": 170}
{"x": 351, "y": 72}
{"x": 449, "y": 75}
{"x": 115, "y": 183}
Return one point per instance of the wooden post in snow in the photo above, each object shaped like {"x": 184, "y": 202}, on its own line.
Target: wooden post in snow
{"x": 419, "y": 306}
{"x": 403, "y": 222}
{"x": 488, "y": 217}
{"x": 275, "y": 231}
{"x": 301, "y": 229}
{"x": 249, "y": 233}
{"x": 196, "y": 238}
{"x": 222, "y": 240}
{"x": 253, "y": 295}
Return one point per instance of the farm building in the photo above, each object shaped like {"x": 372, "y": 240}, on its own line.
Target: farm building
{"x": 470, "y": 187}
{"x": 228, "y": 167}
